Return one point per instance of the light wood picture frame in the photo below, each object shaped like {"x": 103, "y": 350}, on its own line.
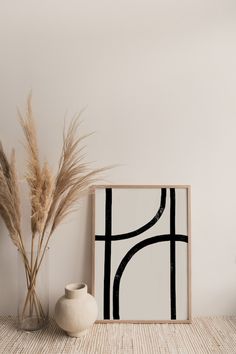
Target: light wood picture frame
{"x": 141, "y": 253}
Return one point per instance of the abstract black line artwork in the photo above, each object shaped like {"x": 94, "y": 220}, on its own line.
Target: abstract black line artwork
{"x": 141, "y": 257}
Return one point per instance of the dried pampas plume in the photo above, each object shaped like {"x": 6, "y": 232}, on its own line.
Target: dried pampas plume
{"x": 9, "y": 197}
{"x": 52, "y": 197}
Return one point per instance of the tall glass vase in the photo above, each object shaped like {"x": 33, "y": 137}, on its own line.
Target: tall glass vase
{"x": 33, "y": 291}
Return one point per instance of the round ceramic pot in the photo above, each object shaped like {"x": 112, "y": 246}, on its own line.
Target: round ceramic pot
{"x": 76, "y": 311}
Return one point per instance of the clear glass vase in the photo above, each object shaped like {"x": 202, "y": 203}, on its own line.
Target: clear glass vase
{"x": 33, "y": 291}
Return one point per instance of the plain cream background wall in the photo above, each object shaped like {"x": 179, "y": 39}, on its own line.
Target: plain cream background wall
{"x": 157, "y": 79}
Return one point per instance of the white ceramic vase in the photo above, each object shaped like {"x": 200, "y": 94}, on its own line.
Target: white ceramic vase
{"x": 76, "y": 311}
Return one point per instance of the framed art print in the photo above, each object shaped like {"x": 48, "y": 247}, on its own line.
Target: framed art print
{"x": 141, "y": 258}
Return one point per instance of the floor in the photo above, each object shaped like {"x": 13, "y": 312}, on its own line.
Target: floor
{"x": 204, "y": 335}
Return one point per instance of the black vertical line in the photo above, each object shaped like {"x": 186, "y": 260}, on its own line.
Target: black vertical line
{"x": 107, "y": 259}
{"x": 172, "y": 255}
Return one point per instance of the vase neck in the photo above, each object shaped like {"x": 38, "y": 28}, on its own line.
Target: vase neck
{"x": 75, "y": 290}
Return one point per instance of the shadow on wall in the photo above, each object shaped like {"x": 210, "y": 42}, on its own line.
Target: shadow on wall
{"x": 88, "y": 242}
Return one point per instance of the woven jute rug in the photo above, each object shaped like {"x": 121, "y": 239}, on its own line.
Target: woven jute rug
{"x": 204, "y": 335}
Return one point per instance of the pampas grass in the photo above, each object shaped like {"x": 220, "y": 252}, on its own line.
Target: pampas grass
{"x": 52, "y": 196}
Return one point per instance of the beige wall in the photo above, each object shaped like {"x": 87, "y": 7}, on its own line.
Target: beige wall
{"x": 157, "y": 79}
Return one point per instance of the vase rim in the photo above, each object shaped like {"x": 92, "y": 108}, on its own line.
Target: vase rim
{"x": 75, "y": 286}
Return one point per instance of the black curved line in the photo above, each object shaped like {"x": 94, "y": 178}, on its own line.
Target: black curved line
{"x": 143, "y": 228}
{"x": 127, "y": 258}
